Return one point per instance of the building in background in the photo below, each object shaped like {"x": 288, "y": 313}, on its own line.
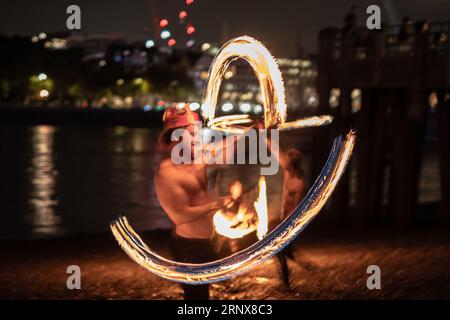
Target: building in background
{"x": 107, "y": 70}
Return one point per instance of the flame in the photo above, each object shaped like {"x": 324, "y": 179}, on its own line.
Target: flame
{"x": 271, "y": 84}
{"x": 266, "y": 70}
{"x": 315, "y": 121}
{"x": 261, "y": 209}
{"x": 236, "y": 225}
{"x": 231, "y": 123}
{"x": 234, "y": 123}
{"x": 236, "y": 189}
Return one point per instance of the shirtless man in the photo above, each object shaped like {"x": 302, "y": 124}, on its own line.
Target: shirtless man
{"x": 182, "y": 193}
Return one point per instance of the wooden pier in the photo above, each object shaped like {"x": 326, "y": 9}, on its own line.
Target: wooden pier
{"x": 384, "y": 82}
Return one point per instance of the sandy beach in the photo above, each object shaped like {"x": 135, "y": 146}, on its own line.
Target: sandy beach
{"x": 413, "y": 265}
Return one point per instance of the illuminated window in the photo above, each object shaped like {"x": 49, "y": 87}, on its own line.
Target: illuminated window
{"x": 356, "y": 100}
{"x": 335, "y": 94}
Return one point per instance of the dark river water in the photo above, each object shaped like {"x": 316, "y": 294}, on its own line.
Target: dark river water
{"x": 58, "y": 181}
{"x": 70, "y": 180}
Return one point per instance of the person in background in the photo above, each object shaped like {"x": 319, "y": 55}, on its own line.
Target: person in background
{"x": 349, "y": 22}
{"x": 293, "y": 190}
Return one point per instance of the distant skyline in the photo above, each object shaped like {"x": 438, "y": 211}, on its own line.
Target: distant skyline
{"x": 280, "y": 24}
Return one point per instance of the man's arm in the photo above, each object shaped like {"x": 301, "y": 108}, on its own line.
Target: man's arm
{"x": 174, "y": 199}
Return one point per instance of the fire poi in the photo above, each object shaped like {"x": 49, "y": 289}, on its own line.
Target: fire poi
{"x": 269, "y": 244}
{"x": 242, "y": 223}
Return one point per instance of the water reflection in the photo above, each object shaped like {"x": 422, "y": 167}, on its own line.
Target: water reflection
{"x": 43, "y": 175}
{"x": 134, "y": 158}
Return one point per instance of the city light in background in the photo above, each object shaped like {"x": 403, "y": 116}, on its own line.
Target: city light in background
{"x": 149, "y": 44}
{"x": 163, "y": 23}
{"x": 120, "y": 61}
{"x": 135, "y": 87}
{"x": 165, "y": 34}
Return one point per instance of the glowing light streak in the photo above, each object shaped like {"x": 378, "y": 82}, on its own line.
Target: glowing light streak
{"x": 306, "y": 123}
{"x": 264, "y": 249}
{"x": 230, "y": 123}
{"x": 266, "y": 70}
{"x": 261, "y": 209}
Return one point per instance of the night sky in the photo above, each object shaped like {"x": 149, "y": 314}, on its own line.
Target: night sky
{"x": 280, "y": 24}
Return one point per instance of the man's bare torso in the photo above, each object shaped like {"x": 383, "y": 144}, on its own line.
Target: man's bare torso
{"x": 181, "y": 186}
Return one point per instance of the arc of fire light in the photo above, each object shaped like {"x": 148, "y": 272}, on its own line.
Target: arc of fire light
{"x": 270, "y": 82}
{"x": 262, "y": 250}
{"x": 275, "y": 115}
{"x": 266, "y": 70}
